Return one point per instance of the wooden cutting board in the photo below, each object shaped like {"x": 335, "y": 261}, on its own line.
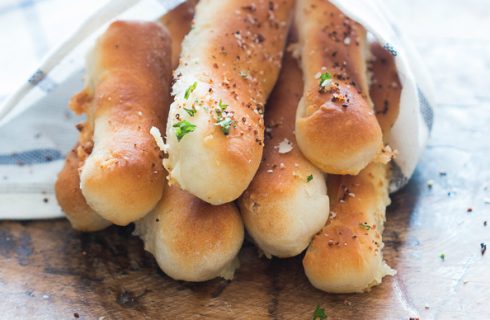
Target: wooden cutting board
{"x": 49, "y": 271}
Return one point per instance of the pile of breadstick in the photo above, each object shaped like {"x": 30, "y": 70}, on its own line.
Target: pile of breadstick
{"x": 229, "y": 116}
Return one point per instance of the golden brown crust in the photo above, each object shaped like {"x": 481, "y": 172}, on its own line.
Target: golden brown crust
{"x": 127, "y": 93}
{"x": 178, "y": 23}
{"x": 71, "y": 200}
{"x": 191, "y": 239}
{"x": 283, "y": 208}
{"x": 279, "y": 118}
{"x": 335, "y": 127}
{"x": 240, "y": 48}
{"x": 346, "y": 255}
{"x": 218, "y": 224}
{"x": 385, "y": 88}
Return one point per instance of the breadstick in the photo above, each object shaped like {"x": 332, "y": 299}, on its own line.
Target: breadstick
{"x": 127, "y": 93}
{"x": 70, "y": 198}
{"x": 286, "y": 204}
{"x": 191, "y": 239}
{"x": 68, "y": 192}
{"x": 336, "y": 127}
{"x": 229, "y": 63}
{"x": 346, "y": 255}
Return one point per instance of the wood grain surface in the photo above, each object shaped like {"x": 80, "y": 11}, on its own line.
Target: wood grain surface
{"x": 49, "y": 271}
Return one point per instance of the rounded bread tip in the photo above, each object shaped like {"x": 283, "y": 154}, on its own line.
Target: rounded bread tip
{"x": 197, "y": 242}
{"x": 336, "y": 128}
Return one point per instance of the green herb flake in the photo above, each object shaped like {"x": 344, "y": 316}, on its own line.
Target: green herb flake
{"x": 225, "y": 125}
{"x": 365, "y": 226}
{"x": 325, "y": 79}
{"x": 319, "y": 314}
{"x": 309, "y": 178}
{"x": 182, "y": 128}
{"x": 190, "y": 90}
{"x": 191, "y": 112}
{"x": 222, "y": 119}
{"x": 442, "y": 256}
{"x": 222, "y": 106}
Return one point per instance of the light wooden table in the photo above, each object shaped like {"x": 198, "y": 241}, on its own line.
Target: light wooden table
{"x": 48, "y": 271}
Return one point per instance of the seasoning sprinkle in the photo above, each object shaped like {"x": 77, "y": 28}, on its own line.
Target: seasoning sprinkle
{"x": 284, "y": 146}
{"x": 222, "y": 119}
{"x": 483, "y": 248}
{"x": 325, "y": 79}
{"x": 222, "y": 106}
{"x": 191, "y": 112}
{"x": 442, "y": 256}
{"x": 365, "y": 226}
{"x": 319, "y": 314}
{"x": 182, "y": 128}
{"x": 225, "y": 125}
{"x": 309, "y": 178}
{"x": 190, "y": 90}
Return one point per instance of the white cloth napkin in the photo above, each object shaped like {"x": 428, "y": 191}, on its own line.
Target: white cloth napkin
{"x": 37, "y": 129}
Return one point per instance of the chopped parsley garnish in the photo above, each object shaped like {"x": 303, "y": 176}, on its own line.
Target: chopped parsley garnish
{"x": 223, "y": 121}
{"x": 225, "y": 125}
{"x": 222, "y": 106}
{"x": 191, "y": 112}
{"x": 319, "y": 314}
{"x": 365, "y": 226}
{"x": 325, "y": 79}
{"x": 190, "y": 90}
{"x": 309, "y": 178}
{"x": 442, "y": 256}
{"x": 182, "y": 128}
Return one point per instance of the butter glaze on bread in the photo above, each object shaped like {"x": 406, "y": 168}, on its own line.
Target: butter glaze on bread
{"x": 346, "y": 255}
{"x": 178, "y": 22}
{"x": 336, "y": 127}
{"x": 127, "y": 93}
{"x": 286, "y": 204}
{"x": 71, "y": 200}
{"x": 191, "y": 239}
{"x": 233, "y": 56}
